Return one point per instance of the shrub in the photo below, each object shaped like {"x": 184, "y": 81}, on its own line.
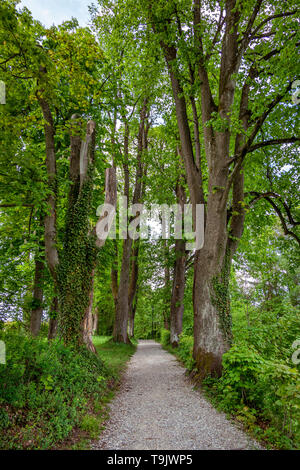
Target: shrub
{"x": 255, "y": 388}
{"x": 90, "y": 424}
{"x": 185, "y": 350}
{"x": 13, "y": 327}
{"x": 165, "y": 337}
{"x": 238, "y": 384}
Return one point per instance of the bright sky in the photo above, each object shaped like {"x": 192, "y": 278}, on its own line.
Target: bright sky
{"x": 57, "y": 11}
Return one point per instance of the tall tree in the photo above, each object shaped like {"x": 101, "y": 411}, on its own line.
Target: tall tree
{"x": 42, "y": 56}
{"x": 120, "y": 333}
{"x": 230, "y": 56}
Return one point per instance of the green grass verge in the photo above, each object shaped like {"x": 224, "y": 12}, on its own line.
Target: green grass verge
{"x": 114, "y": 355}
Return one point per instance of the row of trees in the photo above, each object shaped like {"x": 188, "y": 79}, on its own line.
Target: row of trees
{"x": 163, "y": 102}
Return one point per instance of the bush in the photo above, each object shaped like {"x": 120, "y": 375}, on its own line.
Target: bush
{"x": 185, "y": 351}
{"x": 257, "y": 389}
{"x": 45, "y": 390}
{"x": 90, "y": 424}
{"x": 242, "y": 365}
{"x": 13, "y": 327}
{"x": 44, "y": 329}
{"x": 165, "y": 337}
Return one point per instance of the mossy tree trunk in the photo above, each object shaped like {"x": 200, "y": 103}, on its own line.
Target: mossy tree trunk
{"x": 79, "y": 255}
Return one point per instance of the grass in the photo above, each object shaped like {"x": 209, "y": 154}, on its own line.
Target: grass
{"x": 114, "y": 355}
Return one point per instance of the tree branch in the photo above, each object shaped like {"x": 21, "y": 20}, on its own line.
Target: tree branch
{"x": 259, "y": 122}
{"x": 270, "y": 18}
{"x": 16, "y": 205}
{"x": 268, "y": 197}
{"x": 247, "y": 35}
{"x": 287, "y": 140}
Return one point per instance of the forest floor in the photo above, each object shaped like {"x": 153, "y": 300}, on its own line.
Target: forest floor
{"x": 157, "y": 408}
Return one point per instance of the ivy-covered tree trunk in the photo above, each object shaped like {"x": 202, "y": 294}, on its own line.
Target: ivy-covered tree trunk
{"x": 77, "y": 264}
{"x": 79, "y": 255}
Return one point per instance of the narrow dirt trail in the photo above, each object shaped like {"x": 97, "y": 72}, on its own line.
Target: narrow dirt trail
{"x": 157, "y": 409}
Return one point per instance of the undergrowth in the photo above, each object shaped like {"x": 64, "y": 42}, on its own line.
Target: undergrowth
{"x": 49, "y": 390}
{"x": 262, "y": 394}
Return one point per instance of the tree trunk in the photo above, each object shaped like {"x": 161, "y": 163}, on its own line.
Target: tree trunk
{"x": 212, "y": 332}
{"x": 166, "y": 307}
{"x": 114, "y": 274}
{"x": 120, "y": 333}
{"x": 50, "y": 217}
{"x": 37, "y": 311}
{"x": 210, "y": 336}
{"x": 177, "y": 306}
{"x": 132, "y": 316}
{"x": 131, "y": 324}
{"x": 212, "y": 320}
{"x": 133, "y": 287}
{"x": 210, "y": 290}
{"x": 53, "y": 318}
{"x": 88, "y": 321}
{"x": 95, "y": 322}
{"x": 121, "y": 321}
{"x": 79, "y": 255}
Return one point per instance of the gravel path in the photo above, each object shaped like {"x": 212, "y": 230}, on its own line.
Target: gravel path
{"x": 157, "y": 409}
